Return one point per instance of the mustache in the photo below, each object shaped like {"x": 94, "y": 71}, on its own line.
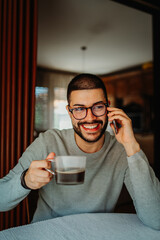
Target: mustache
{"x": 95, "y": 121}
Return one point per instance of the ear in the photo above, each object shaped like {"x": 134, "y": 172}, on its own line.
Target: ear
{"x": 67, "y": 108}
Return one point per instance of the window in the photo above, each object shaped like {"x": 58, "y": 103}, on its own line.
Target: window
{"x": 61, "y": 119}
{"x": 41, "y": 109}
{"x": 50, "y": 109}
{"x": 51, "y": 100}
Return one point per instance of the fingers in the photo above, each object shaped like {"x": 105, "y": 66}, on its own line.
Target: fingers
{"x": 115, "y": 130}
{"x": 113, "y": 108}
{"x": 38, "y": 168}
{"x": 51, "y": 155}
{"x": 41, "y": 164}
{"x": 125, "y": 134}
{"x": 41, "y": 173}
{"x": 37, "y": 176}
{"x": 40, "y": 176}
{"x": 122, "y": 120}
{"x": 115, "y": 111}
{"x": 118, "y": 117}
{"x": 117, "y": 114}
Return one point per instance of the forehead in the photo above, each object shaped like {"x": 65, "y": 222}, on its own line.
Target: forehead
{"x": 87, "y": 97}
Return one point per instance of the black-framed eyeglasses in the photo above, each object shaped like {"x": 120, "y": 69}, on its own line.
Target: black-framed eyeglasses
{"x": 98, "y": 110}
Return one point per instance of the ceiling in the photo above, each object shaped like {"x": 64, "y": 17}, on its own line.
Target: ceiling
{"x": 115, "y": 36}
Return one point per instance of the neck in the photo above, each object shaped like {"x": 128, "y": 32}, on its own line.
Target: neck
{"x": 89, "y": 147}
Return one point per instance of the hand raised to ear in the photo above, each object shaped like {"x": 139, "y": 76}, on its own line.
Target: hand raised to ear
{"x": 125, "y": 134}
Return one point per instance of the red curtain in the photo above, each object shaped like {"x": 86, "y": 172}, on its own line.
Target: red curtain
{"x": 18, "y": 49}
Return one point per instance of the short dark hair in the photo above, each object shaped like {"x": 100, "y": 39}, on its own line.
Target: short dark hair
{"x": 85, "y": 81}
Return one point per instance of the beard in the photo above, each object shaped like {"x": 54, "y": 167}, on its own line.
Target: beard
{"x": 79, "y": 133}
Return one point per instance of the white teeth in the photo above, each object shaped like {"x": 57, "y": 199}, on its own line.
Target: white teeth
{"x": 90, "y": 127}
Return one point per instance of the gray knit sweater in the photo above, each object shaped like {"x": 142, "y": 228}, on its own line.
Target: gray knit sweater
{"x": 106, "y": 172}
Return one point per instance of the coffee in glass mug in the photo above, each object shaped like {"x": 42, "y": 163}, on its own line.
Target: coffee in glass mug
{"x": 69, "y": 170}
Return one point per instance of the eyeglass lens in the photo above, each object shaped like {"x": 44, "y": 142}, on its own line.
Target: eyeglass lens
{"x": 97, "y": 110}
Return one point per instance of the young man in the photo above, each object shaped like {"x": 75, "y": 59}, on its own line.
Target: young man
{"x": 111, "y": 161}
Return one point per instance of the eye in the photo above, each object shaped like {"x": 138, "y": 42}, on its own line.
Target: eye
{"x": 98, "y": 107}
{"x": 79, "y": 109}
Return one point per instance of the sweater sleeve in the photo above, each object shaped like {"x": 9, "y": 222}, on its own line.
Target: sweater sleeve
{"x": 11, "y": 191}
{"x": 144, "y": 189}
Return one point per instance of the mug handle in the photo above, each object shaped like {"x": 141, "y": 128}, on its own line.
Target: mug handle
{"x": 50, "y": 160}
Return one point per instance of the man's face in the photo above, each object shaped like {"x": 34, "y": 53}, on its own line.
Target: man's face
{"x": 91, "y": 128}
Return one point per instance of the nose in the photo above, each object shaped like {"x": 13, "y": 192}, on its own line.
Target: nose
{"x": 90, "y": 115}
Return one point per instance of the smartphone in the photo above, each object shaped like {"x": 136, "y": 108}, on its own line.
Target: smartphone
{"x": 115, "y": 126}
{"x": 114, "y": 122}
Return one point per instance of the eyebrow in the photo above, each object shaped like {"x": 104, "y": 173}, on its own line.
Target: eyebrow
{"x": 82, "y": 105}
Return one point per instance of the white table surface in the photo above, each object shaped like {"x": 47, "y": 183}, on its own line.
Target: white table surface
{"x": 91, "y": 226}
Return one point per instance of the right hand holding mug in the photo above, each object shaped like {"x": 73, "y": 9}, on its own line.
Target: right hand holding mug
{"x": 36, "y": 176}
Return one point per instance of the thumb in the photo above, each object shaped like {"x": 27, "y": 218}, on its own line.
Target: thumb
{"x": 51, "y": 155}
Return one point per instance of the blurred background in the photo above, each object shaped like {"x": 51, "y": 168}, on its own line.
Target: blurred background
{"x": 44, "y": 44}
{"x": 102, "y": 37}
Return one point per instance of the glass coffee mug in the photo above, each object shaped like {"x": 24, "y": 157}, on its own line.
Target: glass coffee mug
{"x": 68, "y": 170}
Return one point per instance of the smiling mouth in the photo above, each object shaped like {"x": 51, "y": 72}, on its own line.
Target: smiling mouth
{"x": 91, "y": 127}
{"x": 90, "y": 131}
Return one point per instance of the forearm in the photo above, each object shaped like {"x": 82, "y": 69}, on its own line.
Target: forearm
{"x": 132, "y": 148}
{"x": 144, "y": 188}
{"x": 11, "y": 191}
